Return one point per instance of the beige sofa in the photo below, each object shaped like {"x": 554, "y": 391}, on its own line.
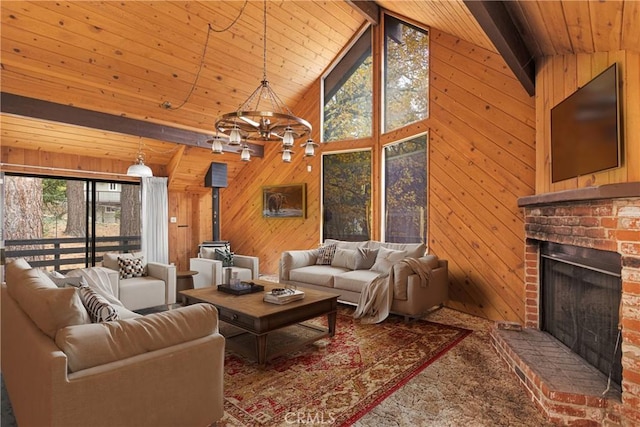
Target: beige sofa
{"x": 345, "y": 275}
{"x": 163, "y": 369}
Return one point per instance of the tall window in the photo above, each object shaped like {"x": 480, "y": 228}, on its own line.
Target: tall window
{"x": 68, "y": 223}
{"x": 348, "y": 94}
{"x": 405, "y": 191}
{"x": 346, "y": 195}
{"x": 406, "y": 78}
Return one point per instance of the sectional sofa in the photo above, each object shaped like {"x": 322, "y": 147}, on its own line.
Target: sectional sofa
{"x": 343, "y": 268}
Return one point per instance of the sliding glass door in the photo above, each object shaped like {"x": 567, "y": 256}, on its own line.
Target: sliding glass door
{"x": 68, "y": 223}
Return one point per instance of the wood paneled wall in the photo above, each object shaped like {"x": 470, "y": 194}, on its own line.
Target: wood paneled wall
{"x": 482, "y": 159}
{"x": 560, "y": 76}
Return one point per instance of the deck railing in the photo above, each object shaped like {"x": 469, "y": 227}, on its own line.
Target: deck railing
{"x": 69, "y": 252}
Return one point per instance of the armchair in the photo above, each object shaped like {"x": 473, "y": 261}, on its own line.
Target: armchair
{"x": 157, "y": 287}
{"x": 210, "y": 270}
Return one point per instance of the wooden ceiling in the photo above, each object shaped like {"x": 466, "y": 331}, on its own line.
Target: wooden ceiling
{"x": 132, "y": 59}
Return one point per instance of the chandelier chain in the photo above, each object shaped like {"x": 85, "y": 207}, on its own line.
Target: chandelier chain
{"x": 210, "y": 29}
{"x": 264, "y": 42}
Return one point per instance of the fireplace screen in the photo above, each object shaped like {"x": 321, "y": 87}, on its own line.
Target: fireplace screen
{"x": 581, "y": 290}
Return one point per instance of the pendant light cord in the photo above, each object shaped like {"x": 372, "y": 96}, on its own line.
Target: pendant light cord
{"x": 167, "y": 105}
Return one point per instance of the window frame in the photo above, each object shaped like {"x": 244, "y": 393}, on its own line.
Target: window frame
{"x": 322, "y": 174}
{"x": 383, "y": 185}
{"x": 383, "y": 70}
{"x": 345, "y": 51}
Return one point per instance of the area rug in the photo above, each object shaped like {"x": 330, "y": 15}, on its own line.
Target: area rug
{"x": 335, "y": 380}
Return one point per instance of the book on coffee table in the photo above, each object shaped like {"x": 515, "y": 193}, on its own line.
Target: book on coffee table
{"x": 290, "y": 296}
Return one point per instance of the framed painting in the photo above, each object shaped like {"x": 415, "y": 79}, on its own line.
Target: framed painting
{"x": 284, "y": 201}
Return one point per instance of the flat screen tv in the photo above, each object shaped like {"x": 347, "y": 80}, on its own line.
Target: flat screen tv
{"x": 585, "y": 129}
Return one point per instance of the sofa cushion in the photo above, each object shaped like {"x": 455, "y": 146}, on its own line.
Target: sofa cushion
{"x": 413, "y": 250}
{"x": 97, "y": 306}
{"x": 345, "y": 258}
{"x": 48, "y": 306}
{"x": 354, "y": 280}
{"x": 326, "y": 254}
{"x": 365, "y": 258}
{"x": 321, "y": 275}
{"x": 130, "y": 267}
{"x": 100, "y": 343}
{"x": 140, "y": 292}
{"x": 15, "y": 268}
{"x": 386, "y": 258}
{"x": 346, "y": 245}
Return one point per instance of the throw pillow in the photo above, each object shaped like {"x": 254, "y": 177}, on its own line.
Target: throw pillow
{"x": 62, "y": 281}
{"x": 226, "y": 256}
{"x": 385, "y": 259}
{"x": 130, "y": 267}
{"x": 48, "y": 306}
{"x": 325, "y": 254}
{"x": 365, "y": 258}
{"x": 345, "y": 258}
{"x": 97, "y": 306}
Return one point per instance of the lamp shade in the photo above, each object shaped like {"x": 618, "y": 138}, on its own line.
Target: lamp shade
{"x": 139, "y": 169}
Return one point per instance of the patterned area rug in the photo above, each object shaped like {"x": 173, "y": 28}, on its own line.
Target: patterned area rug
{"x": 334, "y": 381}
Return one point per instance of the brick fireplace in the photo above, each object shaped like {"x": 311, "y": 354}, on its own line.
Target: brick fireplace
{"x": 568, "y": 390}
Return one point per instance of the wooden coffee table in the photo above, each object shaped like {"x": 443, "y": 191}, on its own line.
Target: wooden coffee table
{"x": 254, "y": 316}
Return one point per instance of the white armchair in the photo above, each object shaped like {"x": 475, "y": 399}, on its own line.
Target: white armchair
{"x": 156, "y": 288}
{"x": 210, "y": 270}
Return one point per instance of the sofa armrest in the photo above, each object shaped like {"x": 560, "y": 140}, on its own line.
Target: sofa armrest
{"x": 209, "y": 272}
{"x": 166, "y": 273}
{"x": 250, "y": 262}
{"x": 296, "y": 259}
{"x": 95, "y": 344}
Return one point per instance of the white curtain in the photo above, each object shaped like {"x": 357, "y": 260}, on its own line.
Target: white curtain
{"x": 155, "y": 220}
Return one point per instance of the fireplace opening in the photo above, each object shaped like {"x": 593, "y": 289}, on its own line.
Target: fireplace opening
{"x": 581, "y": 290}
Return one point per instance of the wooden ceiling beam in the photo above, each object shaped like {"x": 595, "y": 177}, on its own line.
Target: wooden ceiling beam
{"x": 496, "y": 22}
{"x": 368, "y": 9}
{"x": 45, "y": 110}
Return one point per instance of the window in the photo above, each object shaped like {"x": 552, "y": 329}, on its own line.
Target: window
{"x": 405, "y": 191}
{"x": 348, "y": 94}
{"x": 68, "y": 223}
{"x": 346, "y": 195}
{"x": 406, "y": 78}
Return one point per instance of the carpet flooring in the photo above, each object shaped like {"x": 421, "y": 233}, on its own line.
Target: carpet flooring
{"x": 467, "y": 386}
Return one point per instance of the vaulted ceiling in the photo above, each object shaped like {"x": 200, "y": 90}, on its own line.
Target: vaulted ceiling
{"x": 147, "y": 60}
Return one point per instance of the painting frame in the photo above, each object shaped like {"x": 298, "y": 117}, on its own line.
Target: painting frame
{"x": 287, "y": 201}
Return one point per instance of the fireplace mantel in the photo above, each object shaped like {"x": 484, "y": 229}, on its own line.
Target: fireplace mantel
{"x": 601, "y": 192}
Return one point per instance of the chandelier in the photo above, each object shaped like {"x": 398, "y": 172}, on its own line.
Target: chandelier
{"x": 139, "y": 168}
{"x": 263, "y": 117}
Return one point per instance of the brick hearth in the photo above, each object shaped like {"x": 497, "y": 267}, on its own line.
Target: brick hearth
{"x": 563, "y": 387}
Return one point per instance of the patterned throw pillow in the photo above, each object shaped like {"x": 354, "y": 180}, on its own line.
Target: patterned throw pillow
{"x": 97, "y": 306}
{"x": 325, "y": 254}
{"x": 130, "y": 267}
{"x": 226, "y": 256}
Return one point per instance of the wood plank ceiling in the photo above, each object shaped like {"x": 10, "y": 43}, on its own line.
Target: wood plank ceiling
{"x": 130, "y": 58}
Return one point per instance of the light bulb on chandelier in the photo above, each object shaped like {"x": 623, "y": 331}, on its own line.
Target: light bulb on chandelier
{"x": 273, "y": 122}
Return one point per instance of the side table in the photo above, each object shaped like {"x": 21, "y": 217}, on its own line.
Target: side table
{"x": 184, "y": 281}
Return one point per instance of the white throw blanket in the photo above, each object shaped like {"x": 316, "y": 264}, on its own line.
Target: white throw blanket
{"x": 98, "y": 279}
{"x": 376, "y": 296}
